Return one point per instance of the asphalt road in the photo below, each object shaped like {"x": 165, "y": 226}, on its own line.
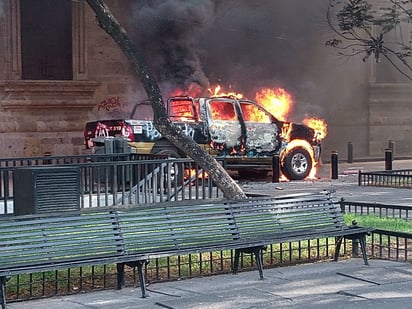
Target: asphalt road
{"x": 346, "y": 186}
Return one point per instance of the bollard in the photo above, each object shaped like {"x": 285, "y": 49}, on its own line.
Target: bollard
{"x": 275, "y": 168}
{"x": 334, "y": 165}
{"x": 388, "y": 159}
{"x": 350, "y": 152}
{"x": 391, "y": 145}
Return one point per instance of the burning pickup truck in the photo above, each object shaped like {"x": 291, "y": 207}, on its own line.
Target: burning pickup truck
{"x": 241, "y": 131}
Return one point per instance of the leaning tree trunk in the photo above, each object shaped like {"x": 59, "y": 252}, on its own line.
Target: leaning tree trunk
{"x": 162, "y": 122}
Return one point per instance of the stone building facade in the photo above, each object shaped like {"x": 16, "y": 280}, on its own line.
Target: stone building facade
{"x": 366, "y": 104}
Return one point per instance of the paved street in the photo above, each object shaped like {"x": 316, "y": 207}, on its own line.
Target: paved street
{"x": 346, "y": 186}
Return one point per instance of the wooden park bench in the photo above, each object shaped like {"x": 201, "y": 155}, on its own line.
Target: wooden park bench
{"x": 133, "y": 235}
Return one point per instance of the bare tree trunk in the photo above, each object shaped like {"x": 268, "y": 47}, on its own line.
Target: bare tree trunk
{"x": 162, "y": 122}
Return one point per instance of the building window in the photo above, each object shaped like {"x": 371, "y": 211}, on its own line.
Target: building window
{"x": 46, "y": 40}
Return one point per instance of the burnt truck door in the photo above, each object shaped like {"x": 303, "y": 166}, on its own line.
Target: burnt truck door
{"x": 184, "y": 112}
{"x": 226, "y": 128}
{"x": 261, "y": 129}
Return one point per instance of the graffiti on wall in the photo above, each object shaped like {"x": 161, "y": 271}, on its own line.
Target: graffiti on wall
{"x": 110, "y": 105}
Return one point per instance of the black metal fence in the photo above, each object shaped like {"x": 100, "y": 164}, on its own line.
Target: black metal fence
{"x": 392, "y": 245}
{"x": 377, "y": 209}
{"x": 72, "y": 281}
{"x": 107, "y": 180}
{"x": 389, "y": 178}
{"x": 381, "y": 245}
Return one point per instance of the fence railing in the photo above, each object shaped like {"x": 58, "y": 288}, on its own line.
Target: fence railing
{"x": 117, "y": 179}
{"x": 72, "y": 281}
{"x": 392, "y": 245}
{"x": 381, "y": 245}
{"x": 390, "y": 178}
{"x": 377, "y": 209}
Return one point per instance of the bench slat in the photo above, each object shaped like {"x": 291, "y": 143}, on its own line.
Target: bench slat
{"x": 174, "y": 228}
{"x": 43, "y": 239}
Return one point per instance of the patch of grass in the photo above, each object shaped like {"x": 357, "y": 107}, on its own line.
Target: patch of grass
{"x": 389, "y": 224}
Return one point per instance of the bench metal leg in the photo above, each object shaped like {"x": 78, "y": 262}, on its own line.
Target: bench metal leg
{"x": 140, "y": 265}
{"x": 354, "y": 238}
{"x": 3, "y": 291}
{"x": 362, "y": 241}
{"x": 259, "y": 261}
{"x": 236, "y": 262}
{"x": 120, "y": 276}
{"x": 257, "y": 252}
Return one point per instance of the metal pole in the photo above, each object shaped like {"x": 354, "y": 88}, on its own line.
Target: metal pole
{"x": 391, "y": 145}
{"x": 275, "y": 168}
{"x": 350, "y": 152}
{"x": 388, "y": 159}
{"x": 334, "y": 165}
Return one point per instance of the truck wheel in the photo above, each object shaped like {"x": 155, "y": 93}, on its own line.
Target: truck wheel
{"x": 297, "y": 164}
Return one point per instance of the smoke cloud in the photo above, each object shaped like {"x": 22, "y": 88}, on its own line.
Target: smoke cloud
{"x": 168, "y": 31}
{"x": 244, "y": 44}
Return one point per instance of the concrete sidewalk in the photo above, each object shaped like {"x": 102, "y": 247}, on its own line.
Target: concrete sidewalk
{"x": 345, "y": 284}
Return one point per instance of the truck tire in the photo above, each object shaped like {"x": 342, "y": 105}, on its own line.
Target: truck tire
{"x": 296, "y": 164}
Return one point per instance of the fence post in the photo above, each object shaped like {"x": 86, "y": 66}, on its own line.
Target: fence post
{"x": 388, "y": 159}
{"x": 350, "y": 152}
{"x": 275, "y": 168}
{"x": 334, "y": 165}
{"x": 355, "y": 242}
{"x": 342, "y": 205}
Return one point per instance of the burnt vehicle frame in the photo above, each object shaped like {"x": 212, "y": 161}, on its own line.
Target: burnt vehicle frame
{"x": 240, "y": 131}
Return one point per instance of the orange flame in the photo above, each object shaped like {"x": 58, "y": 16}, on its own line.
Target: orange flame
{"x": 251, "y": 113}
{"x": 222, "y": 110}
{"x": 184, "y": 110}
{"x": 277, "y": 101}
{"x": 319, "y": 125}
{"x": 216, "y": 91}
{"x": 192, "y": 173}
